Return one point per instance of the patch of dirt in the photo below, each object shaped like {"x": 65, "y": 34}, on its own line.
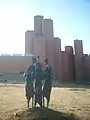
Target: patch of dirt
{"x": 0, "y": 119}
{"x": 41, "y": 114}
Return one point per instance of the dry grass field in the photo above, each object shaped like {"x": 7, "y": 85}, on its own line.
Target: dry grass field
{"x": 64, "y": 99}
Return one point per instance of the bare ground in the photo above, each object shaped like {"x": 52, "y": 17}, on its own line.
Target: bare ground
{"x": 66, "y": 100}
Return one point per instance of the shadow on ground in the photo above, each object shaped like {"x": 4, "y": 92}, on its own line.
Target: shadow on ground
{"x": 42, "y": 114}
{"x": 70, "y": 85}
{"x": 78, "y": 89}
{"x": 55, "y": 83}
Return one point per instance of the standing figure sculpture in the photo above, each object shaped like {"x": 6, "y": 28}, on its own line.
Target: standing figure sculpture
{"x": 48, "y": 83}
{"x": 38, "y": 82}
{"x": 29, "y": 75}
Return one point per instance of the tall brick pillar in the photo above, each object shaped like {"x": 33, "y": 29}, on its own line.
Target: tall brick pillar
{"x": 69, "y": 50}
{"x": 78, "y": 45}
{"x": 47, "y": 30}
{"x": 65, "y": 66}
{"x": 29, "y": 42}
{"x": 57, "y": 58}
{"x": 38, "y": 24}
{"x": 39, "y": 39}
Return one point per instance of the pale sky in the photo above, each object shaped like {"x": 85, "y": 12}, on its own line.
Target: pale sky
{"x": 71, "y": 21}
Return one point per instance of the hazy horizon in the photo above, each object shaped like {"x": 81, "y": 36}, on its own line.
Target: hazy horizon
{"x": 70, "y": 17}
